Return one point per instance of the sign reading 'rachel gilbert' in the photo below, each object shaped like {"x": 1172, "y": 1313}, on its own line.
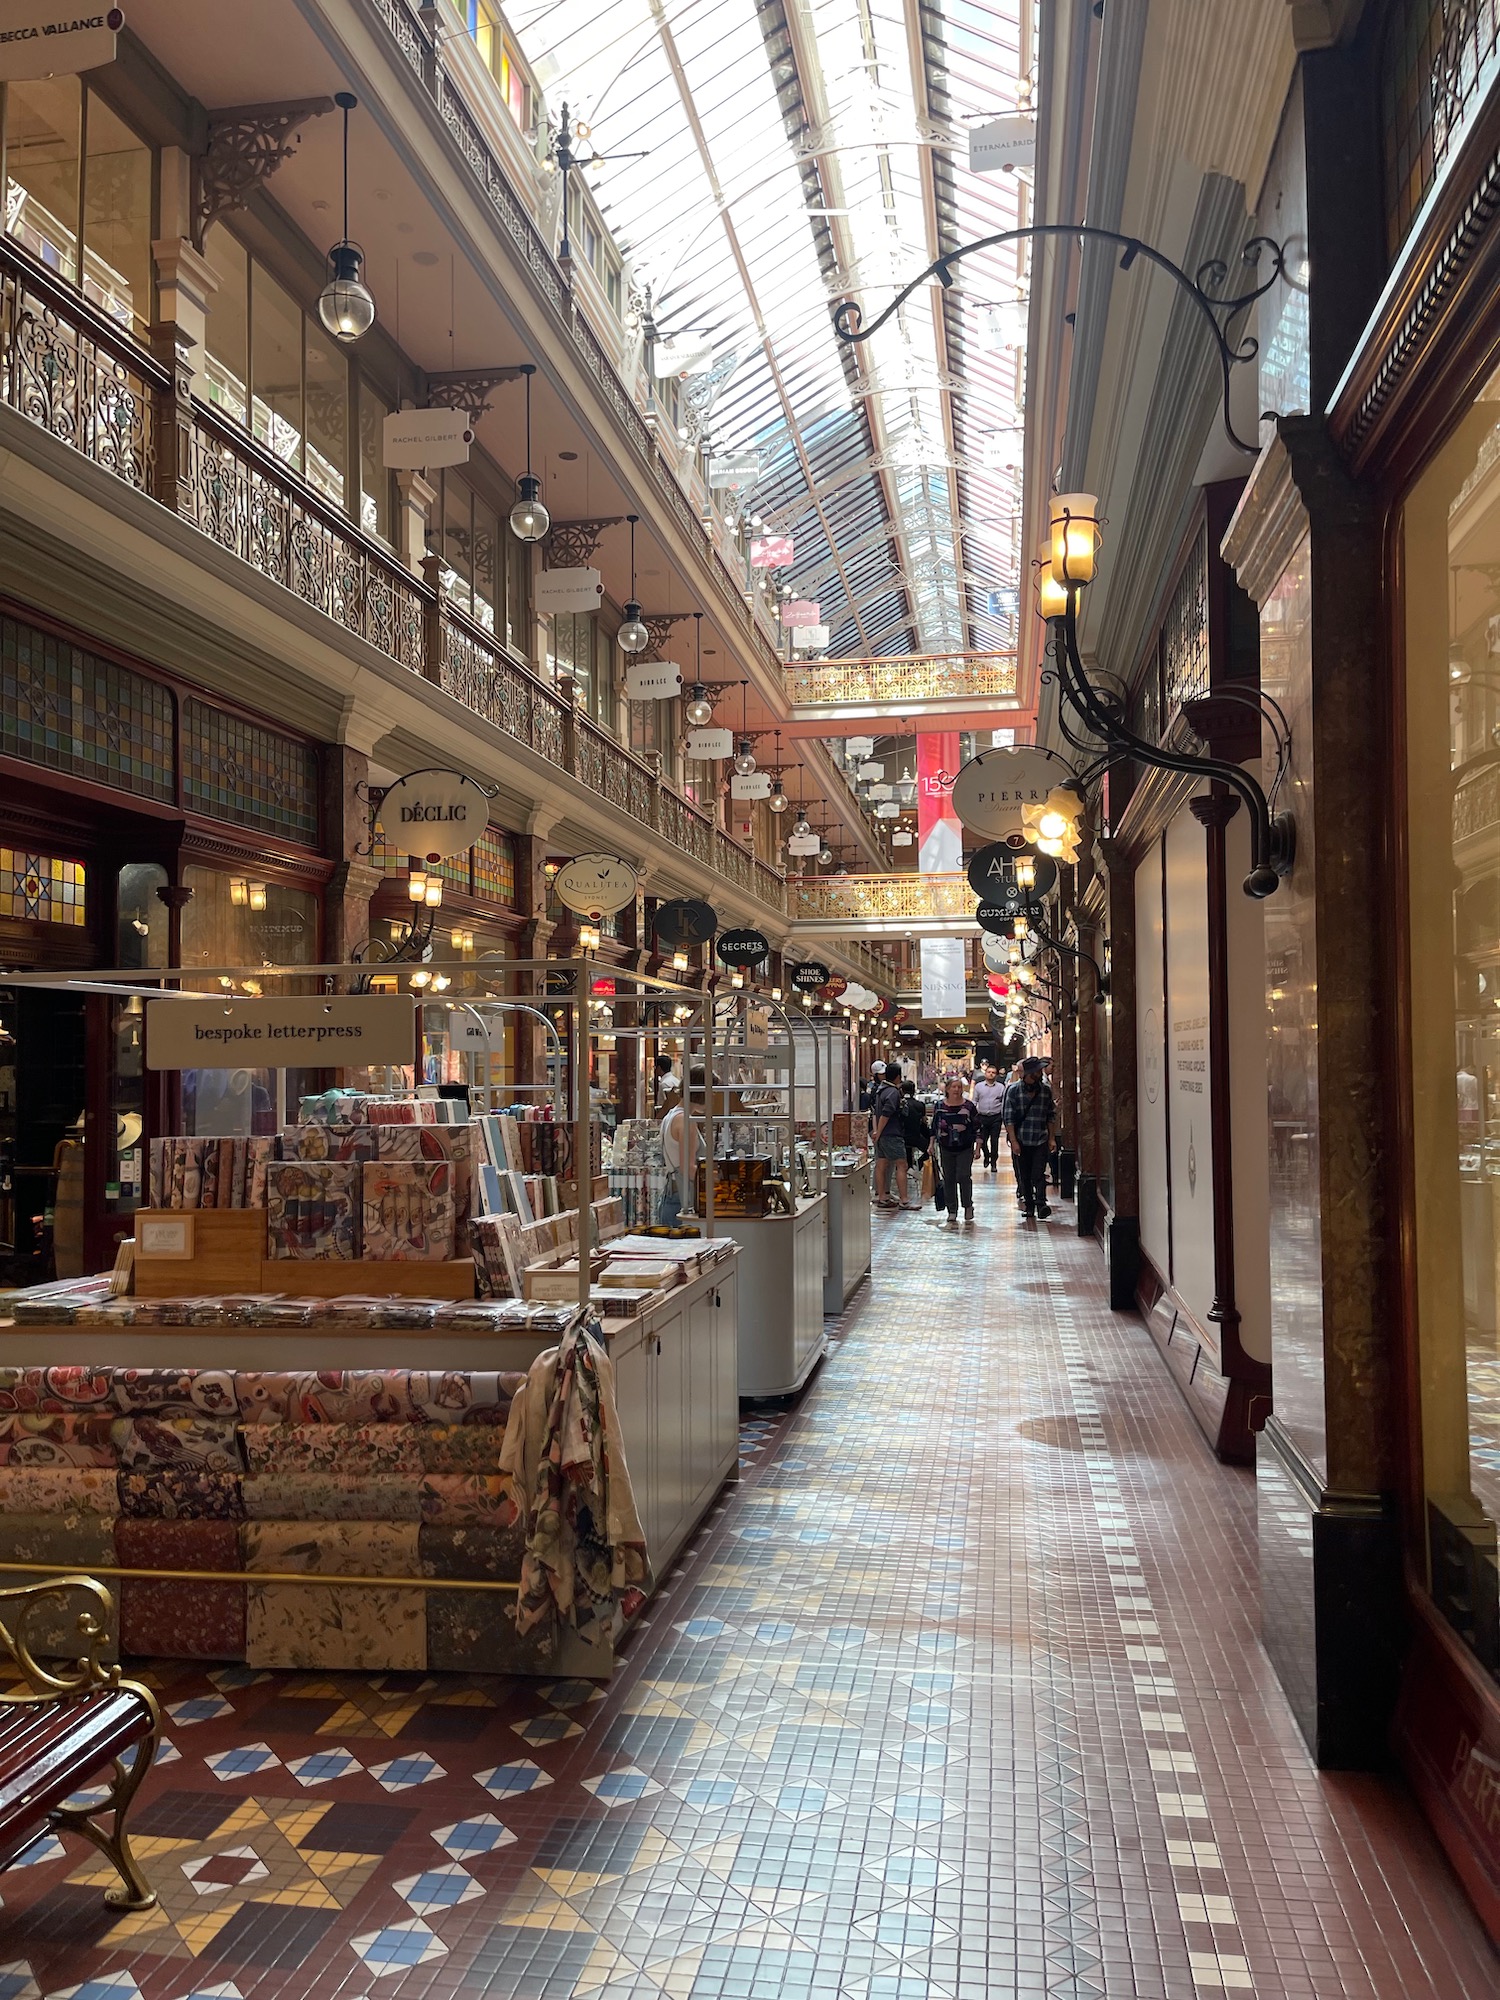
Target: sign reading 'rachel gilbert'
{"x": 809, "y": 976}
{"x": 596, "y": 885}
{"x": 413, "y": 439}
{"x": 742, "y": 947}
{"x": 433, "y": 814}
{"x": 341, "y": 1032}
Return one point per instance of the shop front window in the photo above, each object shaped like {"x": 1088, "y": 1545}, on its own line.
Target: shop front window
{"x": 1452, "y": 567}
{"x": 43, "y": 144}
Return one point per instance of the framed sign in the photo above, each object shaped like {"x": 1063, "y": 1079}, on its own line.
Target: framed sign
{"x": 992, "y": 789}
{"x": 683, "y": 922}
{"x": 756, "y": 786}
{"x": 742, "y": 948}
{"x": 809, "y": 976}
{"x": 710, "y": 743}
{"x": 433, "y": 814}
{"x": 652, "y": 680}
{"x": 342, "y": 1031}
{"x": 596, "y": 885}
{"x": 566, "y": 590}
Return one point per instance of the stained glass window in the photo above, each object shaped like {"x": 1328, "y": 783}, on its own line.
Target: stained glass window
{"x": 495, "y": 867}
{"x": 68, "y": 709}
{"x": 235, "y": 770}
{"x": 1439, "y": 58}
{"x": 41, "y": 889}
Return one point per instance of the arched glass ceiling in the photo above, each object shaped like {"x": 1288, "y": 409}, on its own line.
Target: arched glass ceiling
{"x": 793, "y": 156}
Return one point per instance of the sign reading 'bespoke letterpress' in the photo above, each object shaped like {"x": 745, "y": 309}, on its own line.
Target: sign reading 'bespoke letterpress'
{"x": 341, "y": 1032}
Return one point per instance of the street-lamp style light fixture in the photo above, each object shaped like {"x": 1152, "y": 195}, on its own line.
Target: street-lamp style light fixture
{"x": 744, "y": 762}
{"x": 529, "y": 519}
{"x": 778, "y": 801}
{"x": 633, "y": 635}
{"x": 345, "y": 304}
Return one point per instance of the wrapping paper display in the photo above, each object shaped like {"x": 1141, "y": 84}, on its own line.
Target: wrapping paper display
{"x": 450, "y": 1497}
{"x": 162, "y": 1439}
{"x": 57, "y": 1489}
{"x": 46, "y": 1440}
{"x": 172, "y": 1619}
{"x": 186, "y": 1492}
{"x": 332, "y": 1625}
{"x": 328, "y": 1142}
{"x": 329, "y": 1396}
{"x": 76, "y": 1543}
{"x": 408, "y": 1210}
{"x": 460, "y": 1447}
{"x": 312, "y": 1208}
{"x": 330, "y": 1496}
{"x": 474, "y": 1631}
{"x": 210, "y": 1390}
{"x": 55, "y": 1391}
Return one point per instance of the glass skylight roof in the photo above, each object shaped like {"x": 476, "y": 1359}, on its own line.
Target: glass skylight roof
{"x": 789, "y": 162}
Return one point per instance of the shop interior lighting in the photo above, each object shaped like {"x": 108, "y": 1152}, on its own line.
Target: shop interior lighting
{"x": 1051, "y": 597}
{"x": 257, "y": 895}
{"x": 529, "y": 519}
{"x": 736, "y": 980}
{"x": 632, "y": 635}
{"x": 679, "y": 961}
{"x": 1022, "y": 927}
{"x": 421, "y": 979}
{"x": 463, "y": 940}
{"x": 433, "y": 896}
{"x": 1025, "y": 872}
{"x": 239, "y": 891}
{"x": 441, "y": 982}
{"x": 775, "y": 992}
{"x": 345, "y": 304}
{"x": 416, "y": 885}
{"x": 588, "y": 937}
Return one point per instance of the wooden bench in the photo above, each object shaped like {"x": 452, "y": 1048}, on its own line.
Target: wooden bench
{"x": 71, "y": 1721}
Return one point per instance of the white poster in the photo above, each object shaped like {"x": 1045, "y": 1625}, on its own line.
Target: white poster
{"x": 1189, "y": 1100}
{"x": 1150, "y": 1060}
{"x": 1249, "y": 1153}
{"x": 944, "y": 991}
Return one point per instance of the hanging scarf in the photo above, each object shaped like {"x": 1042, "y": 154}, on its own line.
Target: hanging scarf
{"x": 585, "y": 1553}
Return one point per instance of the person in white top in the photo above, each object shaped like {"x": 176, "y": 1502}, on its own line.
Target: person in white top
{"x": 989, "y": 1101}
{"x": 682, "y": 1149}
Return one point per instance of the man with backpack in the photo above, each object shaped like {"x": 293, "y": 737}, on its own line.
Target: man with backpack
{"x": 889, "y": 1139}
{"x": 1031, "y": 1128}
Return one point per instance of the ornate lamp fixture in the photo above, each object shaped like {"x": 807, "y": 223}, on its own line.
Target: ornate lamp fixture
{"x": 744, "y": 762}
{"x": 632, "y": 635}
{"x": 778, "y": 801}
{"x": 345, "y": 304}
{"x": 1068, "y": 570}
{"x": 529, "y": 519}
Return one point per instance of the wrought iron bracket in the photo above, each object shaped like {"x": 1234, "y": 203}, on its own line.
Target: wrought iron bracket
{"x": 1203, "y": 288}
{"x": 1273, "y": 835}
{"x": 571, "y": 543}
{"x": 659, "y": 625}
{"x": 246, "y": 144}
{"x": 468, "y": 389}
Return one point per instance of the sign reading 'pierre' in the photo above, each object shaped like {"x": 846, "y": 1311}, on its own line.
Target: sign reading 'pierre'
{"x": 433, "y": 814}
{"x": 992, "y": 789}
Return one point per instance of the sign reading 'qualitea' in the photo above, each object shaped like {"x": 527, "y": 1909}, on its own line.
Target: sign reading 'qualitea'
{"x": 596, "y": 885}
{"x": 432, "y": 814}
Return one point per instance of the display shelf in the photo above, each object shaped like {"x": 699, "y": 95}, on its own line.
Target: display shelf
{"x": 782, "y": 1263}
{"x": 848, "y": 1234}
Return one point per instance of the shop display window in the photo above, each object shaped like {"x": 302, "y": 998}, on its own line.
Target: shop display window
{"x": 1452, "y": 570}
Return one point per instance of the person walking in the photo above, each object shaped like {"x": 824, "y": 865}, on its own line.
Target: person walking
{"x": 1031, "y": 1128}
{"x": 889, "y": 1139}
{"x": 955, "y": 1128}
{"x": 989, "y": 1102}
{"x": 914, "y": 1127}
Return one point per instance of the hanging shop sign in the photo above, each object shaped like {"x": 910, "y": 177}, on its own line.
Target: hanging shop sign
{"x": 596, "y": 885}
{"x": 809, "y": 976}
{"x": 680, "y": 357}
{"x": 685, "y": 921}
{"x": 1004, "y": 144}
{"x": 992, "y": 871}
{"x": 805, "y": 843}
{"x": 710, "y": 743}
{"x": 888, "y": 809}
{"x": 652, "y": 680}
{"x": 996, "y": 918}
{"x": 418, "y": 440}
{"x": 742, "y": 948}
{"x": 771, "y": 552}
{"x": 835, "y": 987}
{"x": 860, "y": 746}
{"x": 809, "y": 638}
{"x": 903, "y": 839}
{"x": 870, "y": 769}
{"x": 734, "y": 470}
{"x": 38, "y": 39}
{"x": 801, "y": 611}
{"x": 756, "y": 786}
{"x": 434, "y": 814}
{"x": 567, "y": 590}
{"x": 336, "y": 1033}
{"x": 996, "y": 957}
{"x": 993, "y": 789}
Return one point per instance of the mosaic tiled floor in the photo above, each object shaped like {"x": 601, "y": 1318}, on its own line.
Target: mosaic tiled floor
{"x": 958, "y": 1695}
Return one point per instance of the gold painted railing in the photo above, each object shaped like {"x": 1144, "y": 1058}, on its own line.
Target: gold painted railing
{"x": 968, "y": 677}
{"x": 852, "y": 897}
{"x": 73, "y": 372}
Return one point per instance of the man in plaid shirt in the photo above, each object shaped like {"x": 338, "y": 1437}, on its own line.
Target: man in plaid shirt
{"x": 1030, "y": 1125}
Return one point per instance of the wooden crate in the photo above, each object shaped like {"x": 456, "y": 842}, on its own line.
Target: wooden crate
{"x": 225, "y": 1250}
{"x": 342, "y": 1277}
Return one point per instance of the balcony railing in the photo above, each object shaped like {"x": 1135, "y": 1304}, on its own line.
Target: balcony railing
{"x": 906, "y": 685}
{"x": 69, "y": 369}
{"x": 881, "y": 898}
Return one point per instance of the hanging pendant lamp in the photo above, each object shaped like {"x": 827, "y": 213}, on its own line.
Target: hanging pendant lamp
{"x": 778, "y": 801}
{"x": 744, "y": 762}
{"x": 633, "y": 635}
{"x": 345, "y": 305}
{"x": 529, "y": 519}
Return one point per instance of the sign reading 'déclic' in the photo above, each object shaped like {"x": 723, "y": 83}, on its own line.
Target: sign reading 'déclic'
{"x": 341, "y": 1032}
{"x": 432, "y": 814}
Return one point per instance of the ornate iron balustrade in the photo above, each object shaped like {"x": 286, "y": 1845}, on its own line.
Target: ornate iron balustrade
{"x": 903, "y": 683}
{"x": 852, "y": 898}
{"x": 73, "y": 371}
{"x": 67, "y": 368}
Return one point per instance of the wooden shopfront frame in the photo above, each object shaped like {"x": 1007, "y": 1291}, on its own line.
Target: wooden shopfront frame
{"x": 1431, "y": 345}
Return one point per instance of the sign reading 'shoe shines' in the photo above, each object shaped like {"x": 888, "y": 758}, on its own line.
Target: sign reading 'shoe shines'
{"x": 42, "y": 39}
{"x": 341, "y": 1032}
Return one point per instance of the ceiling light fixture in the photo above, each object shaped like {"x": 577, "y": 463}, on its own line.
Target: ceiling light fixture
{"x": 529, "y": 519}
{"x": 633, "y": 635}
{"x": 744, "y": 762}
{"x": 345, "y": 304}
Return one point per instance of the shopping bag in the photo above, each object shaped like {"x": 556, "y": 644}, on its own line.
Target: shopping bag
{"x": 929, "y": 1179}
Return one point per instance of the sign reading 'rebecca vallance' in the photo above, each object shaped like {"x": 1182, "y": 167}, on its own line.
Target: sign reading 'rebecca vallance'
{"x": 41, "y": 38}
{"x": 342, "y": 1031}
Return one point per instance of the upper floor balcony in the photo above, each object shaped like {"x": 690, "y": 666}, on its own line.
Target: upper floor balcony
{"x": 898, "y": 905}
{"x": 961, "y": 690}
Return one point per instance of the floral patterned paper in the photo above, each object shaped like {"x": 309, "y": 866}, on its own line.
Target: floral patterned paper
{"x": 56, "y": 1440}
{"x": 468, "y": 1496}
{"x": 57, "y": 1489}
{"x": 162, "y": 1439}
{"x": 355, "y": 1450}
{"x": 186, "y": 1492}
{"x": 460, "y": 1447}
{"x": 77, "y": 1543}
{"x": 327, "y": 1496}
{"x": 173, "y": 1619}
{"x": 322, "y": 1625}
{"x": 327, "y": 1397}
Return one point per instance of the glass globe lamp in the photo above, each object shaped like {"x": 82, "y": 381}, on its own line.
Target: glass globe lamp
{"x": 633, "y": 636}
{"x": 345, "y": 305}
{"x": 744, "y": 763}
{"x": 529, "y": 519}
{"x": 778, "y": 801}
{"x": 699, "y": 710}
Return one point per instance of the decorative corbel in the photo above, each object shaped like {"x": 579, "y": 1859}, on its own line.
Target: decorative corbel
{"x": 660, "y": 627}
{"x": 571, "y": 543}
{"x": 467, "y": 389}
{"x": 246, "y": 144}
